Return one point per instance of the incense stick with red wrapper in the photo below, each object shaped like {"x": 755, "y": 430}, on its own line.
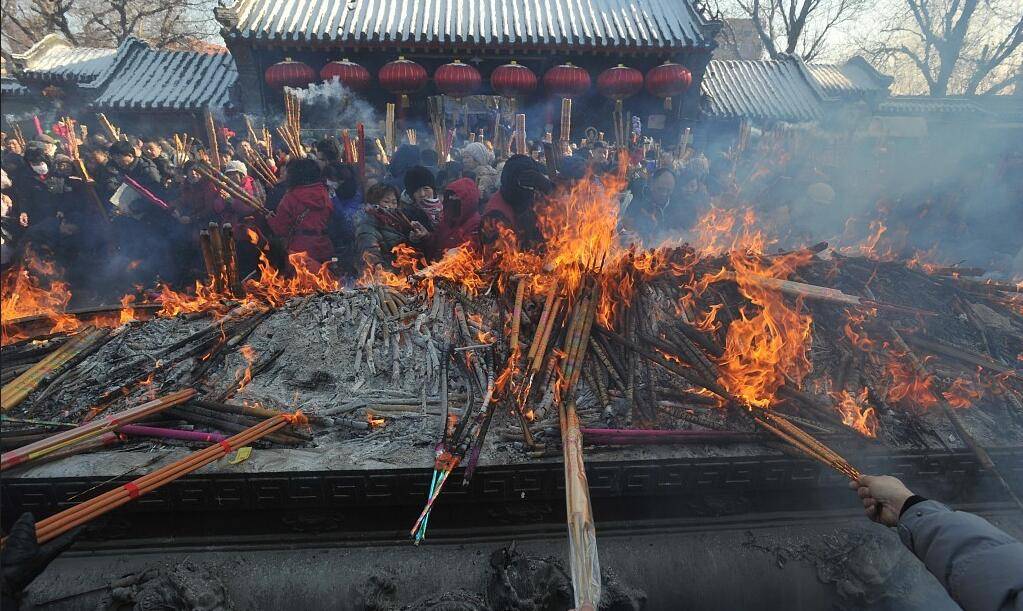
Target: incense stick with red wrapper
{"x": 92, "y": 429}
{"x": 58, "y": 524}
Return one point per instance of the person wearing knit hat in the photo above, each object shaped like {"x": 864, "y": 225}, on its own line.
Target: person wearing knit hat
{"x": 421, "y": 192}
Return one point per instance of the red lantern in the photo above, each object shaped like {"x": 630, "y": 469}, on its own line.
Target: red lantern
{"x": 350, "y": 74}
{"x": 457, "y": 79}
{"x": 566, "y": 81}
{"x": 667, "y": 81}
{"x": 402, "y": 77}
{"x": 289, "y": 74}
{"x": 513, "y": 80}
{"x": 619, "y": 82}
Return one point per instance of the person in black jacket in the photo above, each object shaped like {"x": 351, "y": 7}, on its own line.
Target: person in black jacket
{"x": 144, "y": 242}
{"x": 152, "y": 151}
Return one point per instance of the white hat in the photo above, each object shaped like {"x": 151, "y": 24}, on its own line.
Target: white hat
{"x": 236, "y": 166}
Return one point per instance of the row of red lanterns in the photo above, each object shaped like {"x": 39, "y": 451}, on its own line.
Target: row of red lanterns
{"x": 404, "y": 77}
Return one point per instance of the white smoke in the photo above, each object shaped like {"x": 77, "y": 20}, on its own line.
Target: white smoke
{"x": 331, "y": 106}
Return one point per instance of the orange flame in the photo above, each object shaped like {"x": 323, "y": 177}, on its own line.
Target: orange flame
{"x": 854, "y": 416}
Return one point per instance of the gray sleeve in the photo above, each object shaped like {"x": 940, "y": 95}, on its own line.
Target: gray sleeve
{"x": 980, "y": 566}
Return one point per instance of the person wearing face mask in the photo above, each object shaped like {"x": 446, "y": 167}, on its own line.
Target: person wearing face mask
{"x": 34, "y": 196}
{"x": 460, "y": 219}
{"x": 523, "y": 184}
{"x": 230, "y": 209}
{"x": 421, "y": 193}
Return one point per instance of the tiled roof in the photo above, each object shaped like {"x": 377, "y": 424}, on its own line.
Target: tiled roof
{"x": 142, "y": 77}
{"x": 855, "y": 78}
{"x": 761, "y": 89}
{"x": 623, "y": 24}
{"x": 55, "y": 59}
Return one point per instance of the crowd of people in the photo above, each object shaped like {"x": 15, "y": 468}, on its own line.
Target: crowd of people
{"x": 134, "y": 222}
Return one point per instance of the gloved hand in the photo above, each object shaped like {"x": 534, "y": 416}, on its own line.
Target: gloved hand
{"x": 23, "y": 559}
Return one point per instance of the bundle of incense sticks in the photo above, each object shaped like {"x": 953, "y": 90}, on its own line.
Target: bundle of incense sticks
{"x": 58, "y": 524}
{"x": 111, "y": 129}
{"x": 744, "y": 133}
{"x": 683, "y": 144}
{"x": 410, "y": 136}
{"x": 382, "y": 150}
{"x": 72, "y": 143}
{"x": 73, "y": 436}
{"x": 520, "y": 134}
{"x": 360, "y": 149}
{"x": 291, "y": 130}
{"x": 19, "y": 136}
{"x": 779, "y": 426}
{"x": 390, "y": 135}
{"x": 253, "y": 139}
{"x": 20, "y": 387}
{"x": 225, "y": 184}
{"x": 220, "y": 257}
{"x": 438, "y": 122}
{"x": 566, "y": 120}
{"x": 212, "y": 141}
{"x": 261, "y": 166}
{"x": 182, "y": 147}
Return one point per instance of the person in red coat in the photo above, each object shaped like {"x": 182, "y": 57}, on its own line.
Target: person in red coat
{"x": 197, "y": 200}
{"x": 523, "y": 183}
{"x": 459, "y": 219}
{"x": 303, "y": 215}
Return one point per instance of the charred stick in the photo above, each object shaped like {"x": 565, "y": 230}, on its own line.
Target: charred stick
{"x": 689, "y": 374}
{"x": 603, "y": 357}
{"x": 513, "y": 342}
{"x": 231, "y": 260}
{"x": 256, "y": 369}
{"x": 705, "y": 341}
{"x": 217, "y": 251}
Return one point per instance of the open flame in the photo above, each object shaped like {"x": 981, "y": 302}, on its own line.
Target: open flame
{"x": 250, "y": 357}
{"x": 904, "y": 383}
{"x": 854, "y": 416}
{"x": 769, "y": 343}
{"x": 35, "y": 289}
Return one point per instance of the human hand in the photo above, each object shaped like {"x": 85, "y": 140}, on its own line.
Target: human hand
{"x": 23, "y": 219}
{"x": 418, "y": 232}
{"x": 883, "y": 497}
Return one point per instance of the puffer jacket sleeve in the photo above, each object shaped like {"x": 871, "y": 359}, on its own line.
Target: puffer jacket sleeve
{"x": 979, "y": 565}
